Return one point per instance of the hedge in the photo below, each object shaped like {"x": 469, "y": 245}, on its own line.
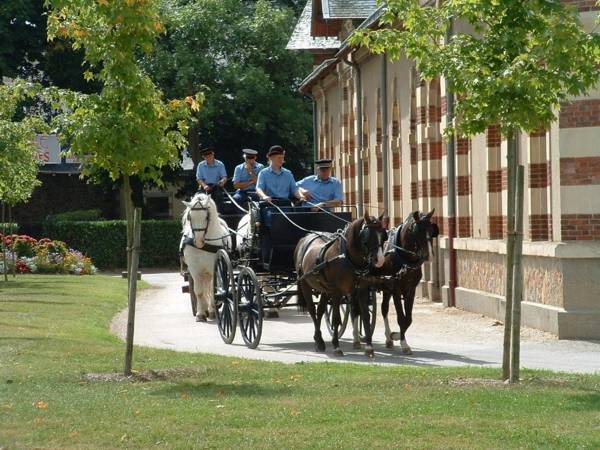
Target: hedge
{"x": 79, "y": 215}
{"x": 105, "y": 241}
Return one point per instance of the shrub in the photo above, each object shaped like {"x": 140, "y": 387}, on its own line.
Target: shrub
{"x": 81, "y": 215}
{"x": 9, "y": 228}
{"x": 23, "y": 245}
{"x": 105, "y": 241}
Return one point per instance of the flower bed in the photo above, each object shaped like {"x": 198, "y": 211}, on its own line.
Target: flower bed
{"x": 30, "y": 255}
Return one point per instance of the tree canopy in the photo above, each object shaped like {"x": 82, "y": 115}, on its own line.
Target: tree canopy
{"x": 513, "y": 66}
{"x": 235, "y": 52}
{"x": 126, "y": 129}
{"x": 18, "y": 152}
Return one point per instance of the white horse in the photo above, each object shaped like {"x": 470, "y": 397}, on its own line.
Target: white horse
{"x": 203, "y": 228}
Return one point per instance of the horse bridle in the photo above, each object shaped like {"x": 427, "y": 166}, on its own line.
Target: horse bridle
{"x": 363, "y": 238}
{"x": 198, "y": 208}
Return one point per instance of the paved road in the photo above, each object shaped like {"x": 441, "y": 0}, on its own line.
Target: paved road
{"x": 438, "y": 336}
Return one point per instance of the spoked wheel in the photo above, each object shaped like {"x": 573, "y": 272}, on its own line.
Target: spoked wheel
{"x": 344, "y": 314}
{"x": 372, "y": 314}
{"x": 250, "y": 307}
{"x": 224, "y": 294}
{"x": 192, "y": 295}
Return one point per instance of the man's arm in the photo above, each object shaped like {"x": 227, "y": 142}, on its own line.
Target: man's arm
{"x": 200, "y": 178}
{"x": 223, "y": 175}
{"x": 261, "y": 187}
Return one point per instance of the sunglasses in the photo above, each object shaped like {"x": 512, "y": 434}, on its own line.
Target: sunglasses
{"x": 250, "y": 156}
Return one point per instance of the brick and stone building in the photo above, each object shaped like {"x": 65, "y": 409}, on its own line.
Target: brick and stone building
{"x": 383, "y": 127}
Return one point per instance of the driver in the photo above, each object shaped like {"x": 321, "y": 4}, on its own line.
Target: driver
{"x": 322, "y": 190}
{"x": 276, "y": 182}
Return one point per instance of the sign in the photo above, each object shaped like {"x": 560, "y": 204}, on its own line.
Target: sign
{"x": 48, "y": 148}
{"x": 186, "y": 163}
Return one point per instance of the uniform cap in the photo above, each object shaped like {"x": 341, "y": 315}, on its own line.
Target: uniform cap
{"x": 276, "y": 150}
{"x": 207, "y": 150}
{"x": 323, "y": 163}
{"x": 249, "y": 151}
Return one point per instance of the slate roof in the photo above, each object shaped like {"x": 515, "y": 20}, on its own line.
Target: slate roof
{"x": 348, "y": 9}
{"x": 301, "y": 38}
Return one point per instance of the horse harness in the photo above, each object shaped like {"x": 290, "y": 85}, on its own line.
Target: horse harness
{"x": 189, "y": 240}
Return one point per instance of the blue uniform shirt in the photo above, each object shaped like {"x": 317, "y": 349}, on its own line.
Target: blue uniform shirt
{"x": 322, "y": 190}
{"x": 279, "y": 185}
{"x": 241, "y": 175}
{"x": 211, "y": 174}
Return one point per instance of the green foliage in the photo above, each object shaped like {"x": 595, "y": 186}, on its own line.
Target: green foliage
{"x": 105, "y": 241}
{"x": 235, "y": 52}
{"x": 513, "y": 66}
{"x": 81, "y": 215}
{"x": 18, "y": 152}
{"x": 127, "y": 129}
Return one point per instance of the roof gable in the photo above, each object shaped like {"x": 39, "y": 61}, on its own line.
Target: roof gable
{"x": 348, "y": 9}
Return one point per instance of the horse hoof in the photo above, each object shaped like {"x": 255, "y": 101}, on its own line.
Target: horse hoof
{"x": 395, "y": 336}
{"x": 407, "y": 351}
{"x": 389, "y": 344}
{"x": 356, "y": 345}
{"x": 201, "y": 318}
{"x": 320, "y": 347}
{"x": 338, "y": 352}
{"x": 212, "y": 315}
{"x": 370, "y": 352}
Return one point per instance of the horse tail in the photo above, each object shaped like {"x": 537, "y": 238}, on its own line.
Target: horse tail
{"x": 302, "y": 300}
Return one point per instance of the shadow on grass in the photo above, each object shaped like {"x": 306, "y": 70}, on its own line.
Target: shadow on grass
{"x": 37, "y": 302}
{"x": 221, "y": 390}
{"x": 585, "y": 402}
{"x": 17, "y": 325}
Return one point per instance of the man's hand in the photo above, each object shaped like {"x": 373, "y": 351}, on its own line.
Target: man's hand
{"x": 304, "y": 194}
{"x": 207, "y": 188}
{"x": 267, "y": 199}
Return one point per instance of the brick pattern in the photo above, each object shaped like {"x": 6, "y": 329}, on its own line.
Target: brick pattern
{"x": 421, "y": 114}
{"x": 435, "y": 151}
{"x": 493, "y": 137}
{"x": 434, "y": 113}
{"x": 396, "y": 160}
{"x": 414, "y": 193}
{"x": 580, "y": 171}
{"x": 494, "y": 180}
{"x": 397, "y": 192}
{"x": 582, "y": 5}
{"x": 444, "y": 107}
{"x": 464, "y": 227}
{"x": 540, "y": 227}
{"x": 463, "y": 185}
{"x": 580, "y": 227}
{"x": 462, "y": 146}
{"x": 539, "y": 175}
{"x": 497, "y": 225}
{"x": 580, "y": 113}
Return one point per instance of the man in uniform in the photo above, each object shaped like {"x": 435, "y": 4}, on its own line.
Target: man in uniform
{"x": 211, "y": 176}
{"x": 276, "y": 182}
{"x": 322, "y": 190}
{"x": 245, "y": 176}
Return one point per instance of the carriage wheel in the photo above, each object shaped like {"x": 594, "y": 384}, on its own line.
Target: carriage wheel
{"x": 344, "y": 314}
{"x": 372, "y": 314}
{"x": 192, "y": 295}
{"x": 225, "y": 299}
{"x": 250, "y": 307}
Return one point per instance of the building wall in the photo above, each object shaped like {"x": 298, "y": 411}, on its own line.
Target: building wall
{"x": 562, "y": 179}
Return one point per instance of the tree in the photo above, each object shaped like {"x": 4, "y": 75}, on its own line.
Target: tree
{"x": 515, "y": 67}
{"x": 127, "y": 128}
{"x": 235, "y": 52}
{"x": 18, "y": 152}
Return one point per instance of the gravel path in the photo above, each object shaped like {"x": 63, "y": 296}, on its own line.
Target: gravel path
{"x": 438, "y": 336}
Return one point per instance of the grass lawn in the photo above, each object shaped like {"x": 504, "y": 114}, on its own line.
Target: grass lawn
{"x": 54, "y": 329}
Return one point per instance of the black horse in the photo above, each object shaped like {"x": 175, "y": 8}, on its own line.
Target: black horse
{"x": 406, "y": 250}
{"x": 333, "y": 264}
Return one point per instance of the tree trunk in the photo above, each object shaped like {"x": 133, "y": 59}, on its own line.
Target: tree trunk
{"x": 133, "y": 244}
{"x": 510, "y": 239}
{"x": 13, "y": 255}
{"x": 517, "y": 280}
{"x": 4, "y": 268}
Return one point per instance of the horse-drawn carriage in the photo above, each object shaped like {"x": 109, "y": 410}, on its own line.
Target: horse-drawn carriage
{"x": 264, "y": 266}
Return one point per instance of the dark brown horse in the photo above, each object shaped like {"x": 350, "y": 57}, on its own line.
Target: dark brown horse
{"x": 406, "y": 251}
{"x": 333, "y": 264}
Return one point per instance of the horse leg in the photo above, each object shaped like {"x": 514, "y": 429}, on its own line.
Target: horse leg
{"x": 306, "y": 292}
{"x": 409, "y": 300}
{"x": 336, "y": 321}
{"x": 397, "y": 297}
{"x": 355, "y": 316}
{"x": 385, "y": 307}
{"x": 363, "y": 300}
{"x": 210, "y": 300}
{"x": 201, "y": 297}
